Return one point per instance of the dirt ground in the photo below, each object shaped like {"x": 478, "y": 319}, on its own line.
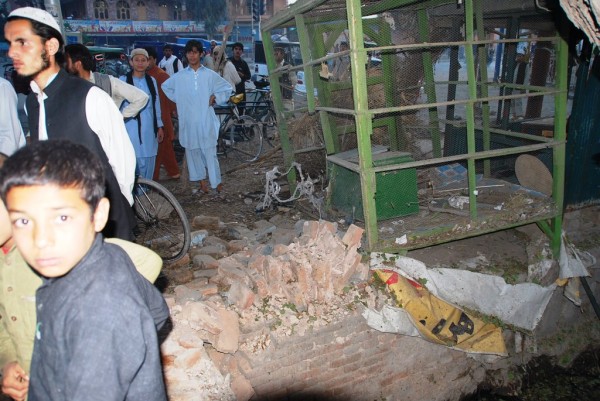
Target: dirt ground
{"x": 244, "y": 186}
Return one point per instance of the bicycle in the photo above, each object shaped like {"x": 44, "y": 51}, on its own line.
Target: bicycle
{"x": 162, "y": 224}
{"x": 240, "y": 134}
{"x": 262, "y": 110}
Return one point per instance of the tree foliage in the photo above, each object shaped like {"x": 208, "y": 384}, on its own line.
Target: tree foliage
{"x": 211, "y": 12}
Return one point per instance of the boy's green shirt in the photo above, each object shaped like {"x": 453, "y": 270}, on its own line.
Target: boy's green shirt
{"x": 18, "y": 284}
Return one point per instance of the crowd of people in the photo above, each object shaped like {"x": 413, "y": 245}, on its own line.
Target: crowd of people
{"x": 79, "y": 315}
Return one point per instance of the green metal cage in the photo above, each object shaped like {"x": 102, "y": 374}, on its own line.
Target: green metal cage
{"x": 476, "y": 88}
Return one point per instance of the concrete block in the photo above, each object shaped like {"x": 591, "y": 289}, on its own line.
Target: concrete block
{"x": 284, "y": 236}
{"x": 183, "y": 262}
{"x": 210, "y": 223}
{"x": 353, "y": 236}
{"x": 322, "y": 276}
{"x": 257, "y": 262}
{"x": 206, "y": 273}
{"x": 279, "y": 249}
{"x": 181, "y": 275}
{"x": 185, "y": 294}
{"x": 216, "y": 251}
{"x": 264, "y": 249}
{"x": 227, "y": 340}
{"x": 299, "y": 227}
{"x": 328, "y": 226}
{"x": 197, "y": 283}
{"x": 212, "y": 240}
{"x": 202, "y": 316}
{"x": 198, "y": 237}
{"x": 237, "y": 245}
{"x": 190, "y": 339}
{"x": 263, "y": 229}
{"x": 240, "y": 295}
{"x": 310, "y": 230}
{"x": 259, "y": 283}
{"x": 233, "y": 271}
{"x": 202, "y": 261}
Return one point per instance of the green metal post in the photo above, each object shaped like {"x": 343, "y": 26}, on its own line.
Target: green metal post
{"x": 332, "y": 143}
{"x": 470, "y": 108}
{"x": 286, "y": 145}
{"x": 305, "y": 51}
{"x": 436, "y": 139}
{"x": 363, "y": 120}
{"x": 560, "y": 134}
{"x": 483, "y": 85}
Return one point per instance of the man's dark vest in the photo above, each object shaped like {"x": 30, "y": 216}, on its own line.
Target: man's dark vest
{"x": 103, "y": 81}
{"x": 66, "y": 119}
{"x": 286, "y": 84}
{"x": 65, "y": 113}
{"x": 152, "y": 89}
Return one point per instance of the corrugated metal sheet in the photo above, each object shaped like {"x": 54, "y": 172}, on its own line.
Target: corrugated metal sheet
{"x": 583, "y": 147}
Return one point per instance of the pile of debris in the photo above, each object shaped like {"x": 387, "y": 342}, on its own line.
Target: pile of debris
{"x": 250, "y": 290}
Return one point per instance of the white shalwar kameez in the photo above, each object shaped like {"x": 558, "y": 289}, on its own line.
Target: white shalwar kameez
{"x": 198, "y": 124}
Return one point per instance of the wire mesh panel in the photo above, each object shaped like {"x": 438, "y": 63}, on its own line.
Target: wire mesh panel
{"x": 434, "y": 84}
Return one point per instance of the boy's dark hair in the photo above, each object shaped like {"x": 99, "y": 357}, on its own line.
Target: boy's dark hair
{"x": 169, "y": 47}
{"x": 238, "y": 44}
{"x": 78, "y": 52}
{"x": 55, "y": 162}
{"x": 151, "y": 52}
{"x": 190, "y": 45}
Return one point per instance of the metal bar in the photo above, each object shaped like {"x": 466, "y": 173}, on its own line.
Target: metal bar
{"x": 306, "y": 150}
{"x": 286, "y": 145}
{"x": 344, "y": 163}
{"x": 387, "y": 110}
{"x": 483, "y": 86}
{"x": 560, "y": 133}
{"x": 305, "y": 51}
{"x": 470, "y": 108}
{"x": 446, "y": 159}
{"x": 418, "y": 46}
{"x": 363, "y": 119}
{"x": 436, "y": 138}
{"x": 294, "y": 9}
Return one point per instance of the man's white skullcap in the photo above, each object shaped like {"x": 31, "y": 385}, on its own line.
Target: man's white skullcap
{"x": 36, "y": 14}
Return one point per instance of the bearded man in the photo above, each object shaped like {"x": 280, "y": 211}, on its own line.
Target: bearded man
{"x": 62, "y": 106}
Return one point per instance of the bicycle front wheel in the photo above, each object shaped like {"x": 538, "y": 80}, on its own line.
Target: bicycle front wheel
{"x": 162, "y": 224}
{"x": 246, "y": 139}
{"x": 269, "y": 126}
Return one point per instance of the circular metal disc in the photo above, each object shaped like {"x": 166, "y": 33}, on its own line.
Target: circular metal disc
{"x": 533, "y": 174}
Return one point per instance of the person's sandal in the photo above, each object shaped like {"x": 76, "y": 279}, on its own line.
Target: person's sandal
{"x": 219, "y": 188}
{"x": 204, "y": 186}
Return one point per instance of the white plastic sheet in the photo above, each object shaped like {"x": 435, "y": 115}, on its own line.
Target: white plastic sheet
{"x": 521, "y": 305}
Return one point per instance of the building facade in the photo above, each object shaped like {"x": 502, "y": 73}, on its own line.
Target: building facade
{"x": 121, "y": 22}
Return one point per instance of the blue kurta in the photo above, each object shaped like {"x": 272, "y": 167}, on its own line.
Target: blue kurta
{"x": 191, "y": 91}
{"x": 149, "y": 144}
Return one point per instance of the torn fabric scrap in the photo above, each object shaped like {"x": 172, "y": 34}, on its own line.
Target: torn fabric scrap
{"x": 440, "y": 322}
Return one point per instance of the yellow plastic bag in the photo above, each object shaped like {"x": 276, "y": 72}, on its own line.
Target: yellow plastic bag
{"x": 440, "y": 322}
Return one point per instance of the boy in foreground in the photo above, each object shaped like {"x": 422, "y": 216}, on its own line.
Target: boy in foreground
{"x": 97, "y": 318}
{"x": 18, "y": 283}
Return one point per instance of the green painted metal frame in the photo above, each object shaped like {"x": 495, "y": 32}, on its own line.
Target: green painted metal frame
{"x": 550, "y": 224}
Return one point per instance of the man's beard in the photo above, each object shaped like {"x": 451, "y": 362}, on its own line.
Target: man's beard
{"x": 45, "y": 65}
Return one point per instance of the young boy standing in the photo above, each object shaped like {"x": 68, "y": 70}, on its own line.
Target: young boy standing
{"x": 18, "y": 283}
{"x": 97, "y": 318}
{"x": 146, "y": 129}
